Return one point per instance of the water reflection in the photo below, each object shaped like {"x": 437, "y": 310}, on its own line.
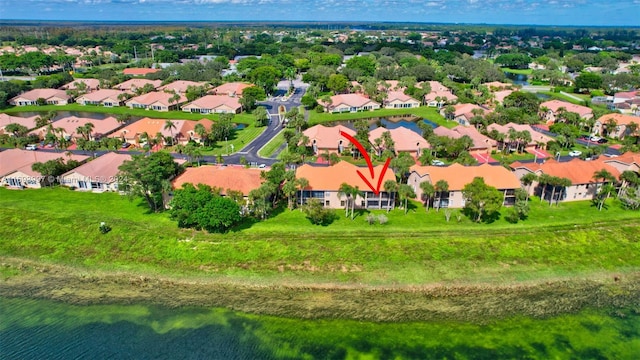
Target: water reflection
{"x": 390, "y": 122}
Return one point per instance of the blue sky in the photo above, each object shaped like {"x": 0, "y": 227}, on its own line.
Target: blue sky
{"x": 545, "y": 12}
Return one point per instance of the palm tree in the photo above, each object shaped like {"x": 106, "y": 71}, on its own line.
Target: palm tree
{"x": 527, "y": 180}
{"x": 442, "y": 186}
{"x": 89, "y": 129}
{"x": 604, "y": 175}
{"x": 201, "y": 131}
{"x": 302, "y": 184}
{"x": 628, "y": 177}
{"x": 605, "y": 191}
{"x": 175, "y": 98}
{"x": 345, "y": 190}
{"x": 427, "y": 192}
{"x": 355, "y": 192}
{"x": 563, "y": 183}
{"x": 406, "y": 192}
{"x": 449, "y": 111}
{"x": 170, "y": 125}
{"x": 390, "y": 187}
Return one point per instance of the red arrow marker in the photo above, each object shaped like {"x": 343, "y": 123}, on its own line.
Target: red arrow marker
{"x": 363, "y": 151}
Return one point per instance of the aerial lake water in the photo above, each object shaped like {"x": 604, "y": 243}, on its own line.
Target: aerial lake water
{"x": 45, "y": 329}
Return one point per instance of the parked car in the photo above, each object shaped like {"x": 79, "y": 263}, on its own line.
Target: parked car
{"x": 603, "y": 141}
{"x": 31, "y": 147}
{"x": 262, "y": 166}
{"x": 575, "y": 153}
{"x": 437, "y": 163}
{"x": 125, "y": 145}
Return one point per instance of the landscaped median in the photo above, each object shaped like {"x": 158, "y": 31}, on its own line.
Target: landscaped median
{"x": 425, "y": 112}
{"x": 417, "y": 266}
{"x": 269, "y": 149}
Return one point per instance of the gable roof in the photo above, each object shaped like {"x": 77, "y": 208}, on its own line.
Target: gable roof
{"x": 439, "y": 90}
{"x": 181, "y": 85}
{"x": 351, "y": 100}
{"x": 621, "y": 119}
{"x": 132, "y": 84}
{"x": 479, "y": 141}
{"x": 328, "y": 137}
{"x": 21, "y": 160}
{"x": 105, "y": 167}
{"x": 535, "y": 135}
{"x": 399, "y": 96}
{"x": 6, "y": 119}
{"x": 236, "y": 178}
{"x": 466, "y": 110}
{"x": 231, "y": 89}
{"x": 71, "y": 123}
{"x": 458, "y": 175}
{"x": 139, "y": 71}
{"x": 214, "y": 101}
{"x": 403, "y": 138}
{"x": 91, "y": 84}
{"x": 555, "y": 105}
{"x": 154, "y": 97}
{"x": 576, "y": 170}
{"x": 100, "y": 95}
{"x": 36, "y": 94}
{"x": 329, "y": 178}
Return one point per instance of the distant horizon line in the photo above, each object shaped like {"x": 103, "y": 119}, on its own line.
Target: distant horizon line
{"x": 315, "y": 22}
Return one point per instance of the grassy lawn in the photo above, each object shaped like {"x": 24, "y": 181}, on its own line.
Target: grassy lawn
{"x": 240, "y": 139}
{"x": 272, "y": 146}
{"x": 243, "y": 118}
{"x": 518, "y": 71}
{"x": 425, "y": 112}
{"x": 558, "y": 96}
{"x": 60, "y": 225}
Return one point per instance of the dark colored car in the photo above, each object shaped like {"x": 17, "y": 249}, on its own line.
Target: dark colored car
{"x": 125, "y": 145}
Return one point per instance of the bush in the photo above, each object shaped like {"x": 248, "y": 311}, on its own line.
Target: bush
{"x": 371, "y": 219}
{"x": 512, "y": 216}
{"x": 383, "y": 219}
{"x": 318, "y": 214}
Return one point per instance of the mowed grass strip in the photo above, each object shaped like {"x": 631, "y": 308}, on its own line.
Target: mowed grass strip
{"x": 60, "y": 225}
{"x": 272, "y": 146}
{"x": 429, "y": 113}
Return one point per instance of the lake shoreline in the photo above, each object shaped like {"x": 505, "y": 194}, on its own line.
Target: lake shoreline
{"x": 474, "y": 302}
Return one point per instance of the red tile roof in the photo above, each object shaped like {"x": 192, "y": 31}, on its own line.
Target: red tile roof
{"x": 403, "y": 139}
{"x": 105, "y": 167}
{"x": 328, "y": 137}
{"x": 555, "y": 105}
{"x": 329, "y": 178}
{"x": 231, "y": 89}
{"x": 214, "y": 101}
{"x": 236, "y": 178}
{"x": 458, "y": 175}
{"x": 620, "y": 119}
{"x": 21, "y": 160}
{"x": 139, "y": 71}
{"x": 29, "y": 122}
{"x": 576, "y": 170}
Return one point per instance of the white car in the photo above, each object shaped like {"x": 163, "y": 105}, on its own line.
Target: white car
{"x": 437, "y": 163}
{"x": 31, "y": 147}
{"x": 262, "y": 166}
{"x": 575, "y": 153}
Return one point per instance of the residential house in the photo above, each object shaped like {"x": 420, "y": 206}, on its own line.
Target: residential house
{"x": 463, "y": 113}
{"x": 498, "y": 86}
{"x": 481, "y": 143}
{"x": 68, "y": 126}
{"x": 156, "y": 100}
{"x": 324, "y": 139}
{"x": 325, "y": 182}
{"x": 627, "y": 102}
{"x": 439, "y": 96}
{"x": 579, "y": 172}
{"x": 139, "y": 71}
{"x": 181, "y": 86}
{"x": 232, "y": 89}
{"x": 624, "y": 162}
{"x": 181, "y": 132}
{"x": 538, "y": 139}
{"x": 350, "y": 103}
{"x": 89, "y": 84}
{"x": 132, "y": 84}
{"x": 404, "y": 140}
{"x": 98, "y": 175}
{"x": 15, "y": 167}
{"x": 457, "y": 176}
{"x": 400, "y": 100}
{"x": 225, "y": 178}
{"x": 622, "y": 123}
{"x": 553, "y": 108}
{"x": 50, "y": 96}
{"x": 209, "y": 104}
{"x": 5, "y": 119}
{"x": 499, "y": 96}
{"x": 103, "y": 97}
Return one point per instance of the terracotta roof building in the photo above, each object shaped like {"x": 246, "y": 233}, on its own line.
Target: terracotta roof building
{"x": 400, "y": 100}
{"x": 210, "y": 104}
{"x": 237, "y": 178}
{"x": 5, "y": 119}
{"x": 622, "y": 125}
{"x": 325, "y": 182}
{"x": 132, "y": 84}
{"x": 98, "y": 175}
{"x": 232, "y": 89}
{"x": 181, "y": 86}
{"x": 15, "y": 167}
{"x": 104, "y": 97}
{"x": 327, "y": 138}
{"x": 463, "y": 113}
{"x": 182, "y": 131}
{"x": 139, "y": 71}
{"x": 554, "y": 106}
{"x": 481, "y": 143}
{"x": 90, "y": 84}
{"x": 439, "y": 95}
{"x": 156, "y": 100}
{"x": 457, "y": 176}
{"x": 579, "y": 172}
{"x": 50, "y": 96}
{"x": 350, "y": 103}
{"x": 70, "y": 124}
{"x": 404, "y": 140}
{"x": 536, "y": 137}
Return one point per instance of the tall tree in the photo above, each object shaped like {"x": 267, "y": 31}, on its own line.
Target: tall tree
{"x": 405, "y": 192}
{"x": 427, "y": 193}
{"x": 442, "y": 186}
{"x": 345, "y": 190}
{"x": 390, "y": 187}
{"x": 481, "y": 200}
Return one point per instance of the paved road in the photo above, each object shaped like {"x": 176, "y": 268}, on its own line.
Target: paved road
{"x": 535, "y": 88}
